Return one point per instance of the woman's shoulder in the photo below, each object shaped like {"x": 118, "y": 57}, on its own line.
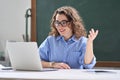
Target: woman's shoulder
{"x": 53, "y": 38}
{"x": 50, "y": 37}
{"x": 83, "y": 39}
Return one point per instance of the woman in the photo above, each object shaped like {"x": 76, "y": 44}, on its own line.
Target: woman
{"x": 67, "y": 46}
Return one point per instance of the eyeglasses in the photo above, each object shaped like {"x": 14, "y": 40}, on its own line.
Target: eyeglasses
{"x": 63, "y": 23}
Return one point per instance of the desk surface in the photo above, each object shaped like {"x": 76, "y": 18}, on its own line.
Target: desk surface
{"x": 62, "y": 74}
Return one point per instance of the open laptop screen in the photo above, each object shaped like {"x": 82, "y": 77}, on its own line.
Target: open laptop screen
{"x": 24, "y": 55}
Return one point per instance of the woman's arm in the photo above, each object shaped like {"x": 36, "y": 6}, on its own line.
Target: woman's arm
{"x": 89, "y": 46}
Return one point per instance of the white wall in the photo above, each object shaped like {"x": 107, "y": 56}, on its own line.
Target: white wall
{"x": 12, "y": 20}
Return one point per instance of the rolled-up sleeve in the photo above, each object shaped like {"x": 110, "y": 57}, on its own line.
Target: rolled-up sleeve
{"x": 91, "y": 65}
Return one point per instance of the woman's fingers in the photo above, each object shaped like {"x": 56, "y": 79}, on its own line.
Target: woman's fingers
{"x": 61, "y": 66}
{"x": 92, "y": 34}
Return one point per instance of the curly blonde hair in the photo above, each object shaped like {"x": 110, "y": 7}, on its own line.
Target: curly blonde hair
{"x": 72, "y": 15}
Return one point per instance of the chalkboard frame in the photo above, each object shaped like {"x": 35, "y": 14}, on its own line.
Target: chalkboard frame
{"x": 34, "y": 33}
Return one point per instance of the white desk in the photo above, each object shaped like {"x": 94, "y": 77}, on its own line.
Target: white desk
{"x": 72, "y": 74}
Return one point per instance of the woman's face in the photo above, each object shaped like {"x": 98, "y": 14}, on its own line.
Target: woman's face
{"x": 63, "y": 26}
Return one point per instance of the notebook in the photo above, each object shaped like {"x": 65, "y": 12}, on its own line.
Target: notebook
{"x": 25, "y": 56}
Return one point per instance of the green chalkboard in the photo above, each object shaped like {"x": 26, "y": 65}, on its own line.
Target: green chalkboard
{"x": 103, "y": 15}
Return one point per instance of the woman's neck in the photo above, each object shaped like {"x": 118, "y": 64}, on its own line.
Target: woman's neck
{"x": 67, "y": 37}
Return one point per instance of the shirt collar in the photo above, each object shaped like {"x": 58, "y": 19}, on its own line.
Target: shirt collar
{"x": 58, "y": 37}
{"x": 72, "y": 38}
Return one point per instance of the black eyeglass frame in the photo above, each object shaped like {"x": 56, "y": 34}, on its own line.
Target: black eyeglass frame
{"x": 63, "y": 23}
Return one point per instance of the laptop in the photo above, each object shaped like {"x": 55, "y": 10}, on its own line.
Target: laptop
{"x": 25, "y": 56}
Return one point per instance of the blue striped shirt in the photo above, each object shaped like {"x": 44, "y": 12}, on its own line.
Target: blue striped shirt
{"x": 71, "y": 52}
